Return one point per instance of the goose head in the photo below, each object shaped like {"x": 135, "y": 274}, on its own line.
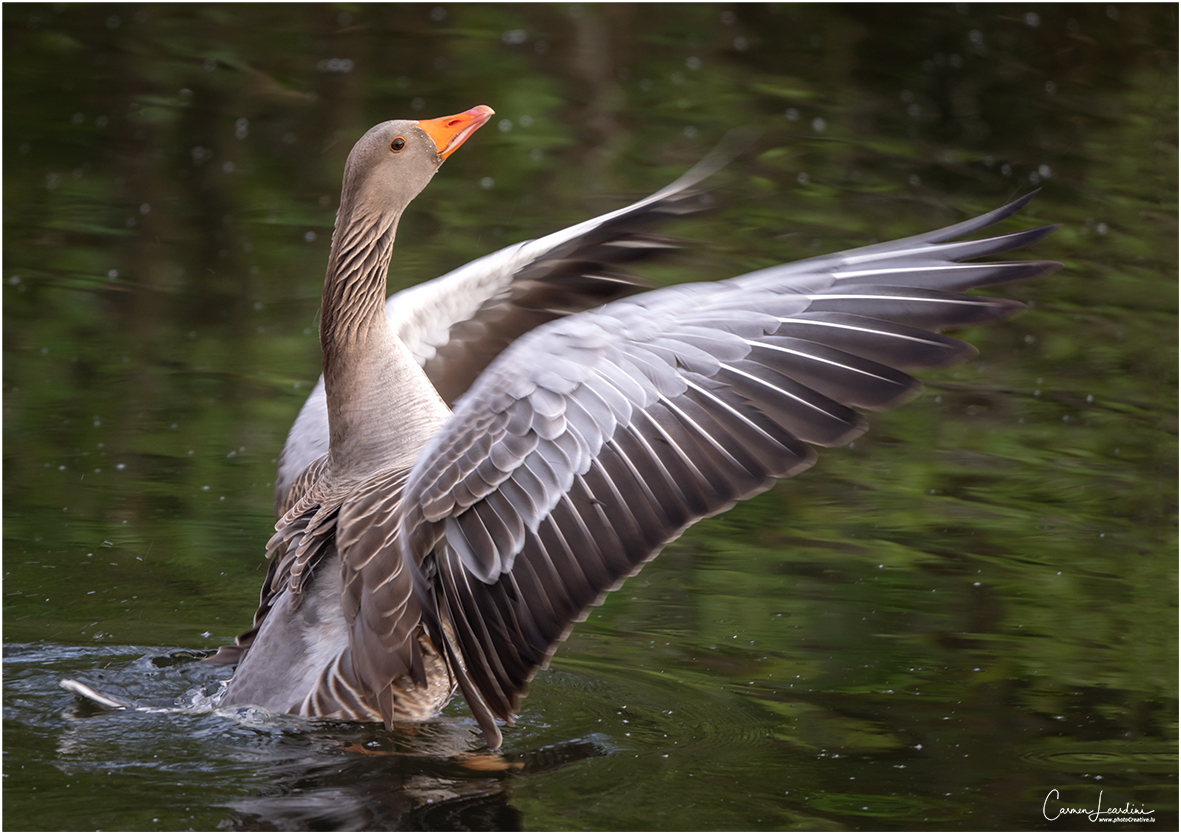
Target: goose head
{"x": 393, "y": 162}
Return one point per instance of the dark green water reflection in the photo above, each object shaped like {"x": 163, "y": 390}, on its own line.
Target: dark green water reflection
{"x": 971, "y": 607}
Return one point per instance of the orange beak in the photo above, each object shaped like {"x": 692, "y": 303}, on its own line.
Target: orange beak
{"x": 450, "y": 132}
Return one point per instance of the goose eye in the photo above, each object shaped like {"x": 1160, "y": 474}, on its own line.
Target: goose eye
{"x": 397, "y": 144}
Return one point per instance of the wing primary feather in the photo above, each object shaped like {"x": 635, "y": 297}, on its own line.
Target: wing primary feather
{"x": 570, "y": 573}
{"x": 901, "y": 346}
{"x": 475, "y": 700}
{"x": 482, "y": 663}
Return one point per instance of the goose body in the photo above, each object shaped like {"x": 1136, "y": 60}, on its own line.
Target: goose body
{"x": 486, "y": 456}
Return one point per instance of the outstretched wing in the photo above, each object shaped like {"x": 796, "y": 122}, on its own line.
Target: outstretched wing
{"x": 456, "y": 324}
{"x": 598, "y": 438}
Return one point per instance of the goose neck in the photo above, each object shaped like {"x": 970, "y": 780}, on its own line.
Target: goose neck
{"x": 354, "y": 286}
{"x": 381, "y": 406}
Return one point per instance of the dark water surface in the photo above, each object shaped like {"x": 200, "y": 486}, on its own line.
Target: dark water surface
{"x": 973, "y": 606}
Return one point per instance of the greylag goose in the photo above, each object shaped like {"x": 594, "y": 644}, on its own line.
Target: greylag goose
{"x": 485, "y": 458}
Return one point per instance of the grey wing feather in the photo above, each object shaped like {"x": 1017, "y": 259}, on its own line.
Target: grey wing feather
{"x": 596, "y": 439}
{"x": 307, "y": 442}
{"x": 456, "y": 324}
